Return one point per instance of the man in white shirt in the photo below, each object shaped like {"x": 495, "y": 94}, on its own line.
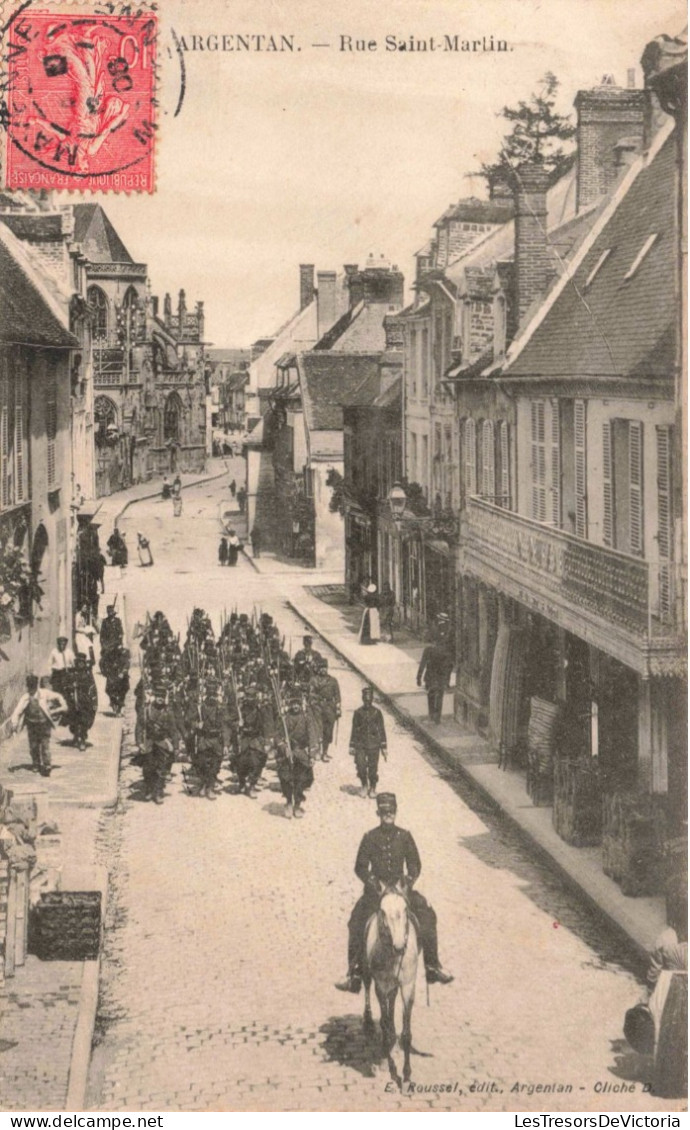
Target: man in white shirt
{"x": 37, "y": 712}
{"x": 61, "y": 666}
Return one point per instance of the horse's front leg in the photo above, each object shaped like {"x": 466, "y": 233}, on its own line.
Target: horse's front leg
{"x": 406, "y": 1035}
{"x": 368, "y": 1019}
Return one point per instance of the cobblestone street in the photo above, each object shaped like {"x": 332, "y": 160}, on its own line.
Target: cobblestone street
{"x": 227, "y": 922}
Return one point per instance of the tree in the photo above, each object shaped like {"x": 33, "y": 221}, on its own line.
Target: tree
{"x": 536, "y": 134}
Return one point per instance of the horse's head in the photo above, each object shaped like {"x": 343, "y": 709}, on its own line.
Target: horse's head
{"x": 394, "y": 923}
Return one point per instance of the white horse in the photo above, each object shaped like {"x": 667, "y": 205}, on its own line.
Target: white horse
{"x": 392, "y": 952}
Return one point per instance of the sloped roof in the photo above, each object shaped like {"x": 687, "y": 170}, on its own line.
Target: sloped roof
{"x": 228, "y": 356}
{"x": 29, "y": 313}
{"x": 94, "y": 231}
{"x": 359, "y": 330}
{"x": 616, "y": 325}
{"x": 473, "y": 210}
{"x": 328, "y": 381}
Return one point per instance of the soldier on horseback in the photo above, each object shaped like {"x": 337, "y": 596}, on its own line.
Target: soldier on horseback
{"x": 388, "y": 855}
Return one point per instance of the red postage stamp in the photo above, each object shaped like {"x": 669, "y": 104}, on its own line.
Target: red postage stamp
{"x": 81, "y": 101}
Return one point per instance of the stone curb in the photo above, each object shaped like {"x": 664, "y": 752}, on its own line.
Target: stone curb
{"x": 80, "y": 1058}
{"x": 156, "y": 493}
{"x": 636, "y": 950}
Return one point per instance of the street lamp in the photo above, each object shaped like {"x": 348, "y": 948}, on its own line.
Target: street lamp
{"x": 397, "y": 500}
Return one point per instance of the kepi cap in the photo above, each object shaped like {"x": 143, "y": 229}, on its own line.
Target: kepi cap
{"x": 386, "y": 802}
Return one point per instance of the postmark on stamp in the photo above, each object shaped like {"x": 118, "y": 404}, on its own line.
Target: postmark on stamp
{"x": 80, "y": 102}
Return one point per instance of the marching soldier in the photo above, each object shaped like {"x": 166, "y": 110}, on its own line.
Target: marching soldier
{"x": 212, "y": 740}
{"x": 388, "y": 855}
{"x": 305, "y": 660}
{"x": 368, "y": 741}
{"x": 112, "y": 639}
{"x": 159, "y": 737}
{"x": 324, "y": 698}
{"x": 295, "y": 757}
{"x": 117, "y": 683}
{"x": 83, "y": 701}
{"x": 252, "y": 754}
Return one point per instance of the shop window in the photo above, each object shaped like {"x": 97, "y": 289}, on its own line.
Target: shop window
{"x": 98, "y": 302}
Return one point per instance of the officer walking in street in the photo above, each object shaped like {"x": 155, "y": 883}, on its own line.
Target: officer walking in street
{"x": 388, "y": 855}
{"x": 159, "y": 737}
{"x": 295, "y": 757}
{"x": 368, "y": 741}
{"x": 435, "y": 668}
{"x": 83, "y": 702}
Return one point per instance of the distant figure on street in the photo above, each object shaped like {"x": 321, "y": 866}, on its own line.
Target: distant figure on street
{"x": 83, "y": 702}
{"x": 177, "y": 486}
{"x": 370, "y": 628}
{"x": 368, "y": 742}
{"x": 117, "y": 547}
{"x": 166, "y": 492}
{"x": 435, "y": 668}
{"x": 387, "y": 611}
{"x": 241, "y": 499}
{"x": 38, "y": 711}
{"x": 177, "y": 505}
{"x": 144, "y": 551}
{"x": 234, "y": 547}
{"x": 117, "y": 681}
{"x": 61, "y": 666}
{"x": 256, "y": 538}
{"x": 233, "y": 488}
{"x": 223, "y": 551}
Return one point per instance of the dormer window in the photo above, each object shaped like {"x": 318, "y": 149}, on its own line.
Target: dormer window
{"x": 597, "y": 267}
{"x": 641, "y": 255}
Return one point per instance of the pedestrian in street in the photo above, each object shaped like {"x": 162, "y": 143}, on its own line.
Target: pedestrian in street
{"x": 177, "y": 486}
{"x": 241, "y": 499}
{"x": 370, "y": 628}
{"x": 435, "y": 669}
{"x": 387, "y": 611}
{"x": 117, "y": 681}
{"x": 223, "y": 551}
{"x": 38, "y": 711}
{"x": 295, "y": 758}
{"x": 166, "y": 492}
{"x": 83, "y": 702}
{"x": 177, "y": 506}
{"x": 144, "y": 551}
{"x": 324, "y": 699}
{"x": 368, "y": 742}
{"x": 233, "y": 488}
{"x": 84, "y": 634}
{"x": 112, "y": 638}
{"x": 117, "y": 547}
{"x": 234, "y": 547}
{"x": 387, "y": 857}
{"x": 61, "y": 666}
{"x": 256, "y": 539}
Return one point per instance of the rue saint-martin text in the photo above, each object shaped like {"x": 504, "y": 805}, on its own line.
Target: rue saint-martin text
{"x": 265, "y": 43}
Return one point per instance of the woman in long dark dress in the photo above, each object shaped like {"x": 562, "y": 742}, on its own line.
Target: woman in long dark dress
{"x": 234, "y": 547}
{"x": 667, "y": 976}
{"x": 223, "y": 551}
{"x": 370, "y": 629}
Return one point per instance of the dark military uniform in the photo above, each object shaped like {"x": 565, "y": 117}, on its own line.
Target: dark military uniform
{"x": 324, "y": 699}
{"x": 212, "y": 739}
{"x": 305, "y": 661}
{"x": 252, "y": 753}
{"x": 296, "y": 775}
{"x": 435, "y": 669}
{"x": 389, "y": 855}
{"x": 158, "y": 739}
{"x": 111, "y": 638}
{"x": 367, "y": 740}
{"x": 83, "y": 702}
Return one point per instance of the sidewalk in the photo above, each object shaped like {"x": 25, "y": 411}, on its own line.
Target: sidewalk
{"x": 48, "y": 1008}
{"x": 111, "y": 508}
{"x": 389, "y": 667}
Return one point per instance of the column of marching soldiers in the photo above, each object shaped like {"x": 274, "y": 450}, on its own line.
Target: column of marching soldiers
{"x": 235, "y": 698}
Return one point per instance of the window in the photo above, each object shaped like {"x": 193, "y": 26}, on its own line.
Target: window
{"x": 664, "y": 532}
{"x": 503, "y": 466}
{"x": 488, "y": 468}
{"x": 14, "y": 470}
{"x": 51, "y": 426}
{"x": 555, "y": 515}
{"x": 412, "y": 359}
{"x": 412, "y": 469}
{"x": 597, "y": 267}
{"x": 424, "y": 361}
{"x": 99, "y": 312}
{"x": 470, "y": 460}
{"x": 172, "y": 417}
{"x": 641, "y": 255}
{"x": 623, "y": 524}
{"x": 580, "y": 439}
{"x": 424, "y": 469}
{"x": 538, "y": 461}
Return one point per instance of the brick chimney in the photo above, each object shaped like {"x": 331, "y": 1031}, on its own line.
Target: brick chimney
{"x": 604, "y": 116}
{"x": 379, "y": 282}
{"x": 326, "y": 302}
{"x": 530, "y": 183}
{"x": 306, "y": 284}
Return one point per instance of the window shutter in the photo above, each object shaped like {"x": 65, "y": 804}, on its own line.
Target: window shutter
{"x": 663, "y": 462}
{"x": 609, "y": 529}
{"x": 636, "y": 507}
{"x": 580, "y": 469}
{"x": 488, "y": 462}
{"x": 538, "y": 462}
{"x": 19, "y": 420}
{"x": 555, "y": 463}
{"x": 4, "y": 431}
{"x": 51, "y": 426}
{"x": 504, "y": 442}
{"x": 470, "y": 458}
